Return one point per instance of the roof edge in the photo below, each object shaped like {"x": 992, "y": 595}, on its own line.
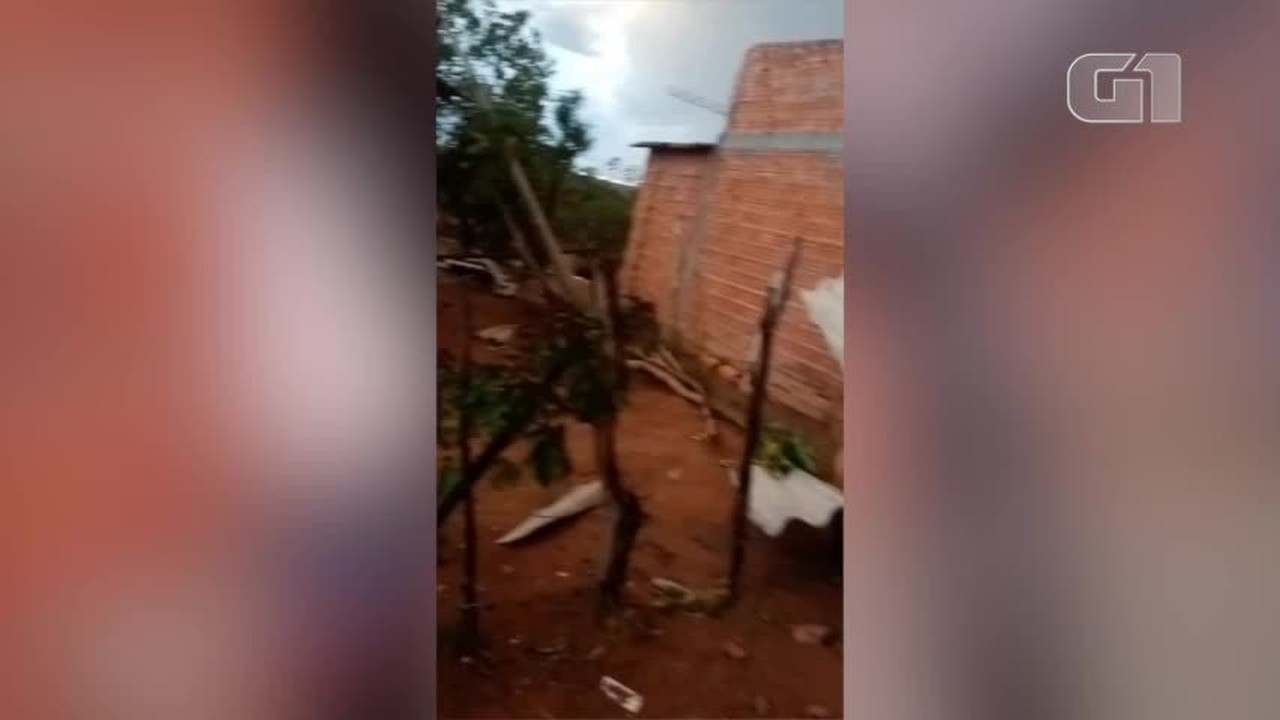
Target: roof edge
{"x": 687, "y": 146}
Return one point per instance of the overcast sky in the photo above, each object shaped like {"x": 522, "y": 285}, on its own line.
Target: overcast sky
{"x": 625, "y": 54}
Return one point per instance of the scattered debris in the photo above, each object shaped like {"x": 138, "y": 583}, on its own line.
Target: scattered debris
{"x": 669, "y": 361}
{"x": 663, "y": 366}
{"x": 671, "y": 595}
{"x": 625, "y": 697}
{"x": 596, "y": 653}
{"x": 671, "y": 589}
{"x": 816, "y": 711}
{"x": 576, "y": 501}
{"x": 562, "y": 574}
{"x": 734, "y": 650}
{"x": 674, "y": 474}
{"x": 506, "y": 569}
{"x": 502, "y": 284}
{"x": 812, "y": 634}
{"x": 762, "y": 705}
{"x": 555, "y": 647}
{"x": 710, "y": 429}
{"x": 498, "y": 334}
{"x": 666, "y": 603}
{"x": 666, "y": 378}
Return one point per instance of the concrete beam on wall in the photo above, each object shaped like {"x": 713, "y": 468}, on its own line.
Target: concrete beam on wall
{"x": 826, "y": 143}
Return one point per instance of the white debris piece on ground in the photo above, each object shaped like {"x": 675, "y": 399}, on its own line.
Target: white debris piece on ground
{"x": 825, "y": 304}
{"x": 625, "y": 697}
{"x": 776, "y": 501}
{"x": 498, "y": 334}
{"x": 578, "y": 500}
{"x": 503, "y": 285}
{"x": 669, "y": 587}
{"x": 812, "y": 634}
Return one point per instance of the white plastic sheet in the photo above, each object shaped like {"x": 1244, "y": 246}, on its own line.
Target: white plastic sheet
{"x": 825, "y": 305}
{"x": 776, "y": 501}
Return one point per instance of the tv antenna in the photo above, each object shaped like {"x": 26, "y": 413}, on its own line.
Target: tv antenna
{"x": 697, "y": 100}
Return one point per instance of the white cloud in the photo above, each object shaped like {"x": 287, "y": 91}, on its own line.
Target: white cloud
{"x": 601, "y": 73}
{"x": 624, "y": 55}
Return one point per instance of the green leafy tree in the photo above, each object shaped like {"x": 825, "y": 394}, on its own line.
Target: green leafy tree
{"x": 502, "y": 74}
{"x": 508, "y": 144}
{"x": 596, "y": 215}
{"x": 498, "y": 64}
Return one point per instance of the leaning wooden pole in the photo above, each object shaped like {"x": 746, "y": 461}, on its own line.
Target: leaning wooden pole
{"x": 550, "y": 244}
{"x": 775, "y": 304}
{"x": 559, "y": 265}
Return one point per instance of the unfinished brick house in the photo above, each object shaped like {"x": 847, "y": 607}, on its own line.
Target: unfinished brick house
{"x": 714, "y": 222}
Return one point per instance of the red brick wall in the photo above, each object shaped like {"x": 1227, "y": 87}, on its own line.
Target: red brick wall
{"x": 663, "y": 219}
{"x": 762, "y": 202}
{"x": 791, "y": 87}
{"x": 758, "y": 203}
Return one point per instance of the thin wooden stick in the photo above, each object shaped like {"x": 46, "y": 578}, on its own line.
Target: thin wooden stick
{"x": 775, "y": 304}
{"x": 470, "y": 602}
{"x": 667, "y": 379}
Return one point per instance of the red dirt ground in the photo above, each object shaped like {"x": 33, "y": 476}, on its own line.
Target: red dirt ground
{"x": 540, "y": 595}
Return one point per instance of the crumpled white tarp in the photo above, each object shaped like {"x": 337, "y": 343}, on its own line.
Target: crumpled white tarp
{"x": 776, "y": 501}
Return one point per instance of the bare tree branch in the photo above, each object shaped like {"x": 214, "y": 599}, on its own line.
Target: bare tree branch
{"x": 775, "y": 304}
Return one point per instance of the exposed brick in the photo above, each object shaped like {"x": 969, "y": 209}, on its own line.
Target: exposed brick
{"x": 758, "y": 203}
{"x": 791, "y": 87}
{"x": 664, "y": 217}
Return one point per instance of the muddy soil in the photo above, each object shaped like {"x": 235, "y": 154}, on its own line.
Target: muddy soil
{"x": 547, "y": 651}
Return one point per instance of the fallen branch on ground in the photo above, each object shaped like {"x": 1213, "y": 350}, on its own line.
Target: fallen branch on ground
{"x": 709, "y": 427}
{"x": 670, "y": 362}
{"x": 667, "y": 379}
{"x": 663, "y": 367}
